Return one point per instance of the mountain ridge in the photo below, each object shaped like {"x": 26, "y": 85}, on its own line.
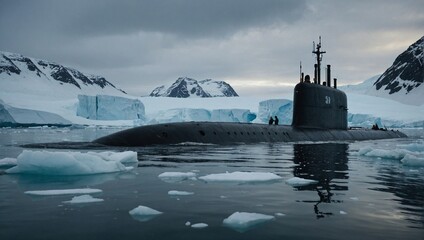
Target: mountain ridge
{"x": 185, "y": 87}
{"x": 24, "y": 74}
{"x": 402, "y": 81}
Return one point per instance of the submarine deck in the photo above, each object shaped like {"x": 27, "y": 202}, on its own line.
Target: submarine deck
{"x": 226, "y": 133}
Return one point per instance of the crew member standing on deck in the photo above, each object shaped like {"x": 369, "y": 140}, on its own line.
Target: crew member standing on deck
{"x": 276, "y": 120}
{"x": 271, "y": 121}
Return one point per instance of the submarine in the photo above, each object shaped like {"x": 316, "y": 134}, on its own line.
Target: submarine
{"x": 319, "y": 114}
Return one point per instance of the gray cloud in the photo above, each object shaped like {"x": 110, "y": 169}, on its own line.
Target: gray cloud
{"x": 256, "y": 45}
{"x": 198, "y": 18}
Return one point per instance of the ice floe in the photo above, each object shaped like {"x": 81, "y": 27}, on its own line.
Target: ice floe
{"x": 243, "y": 221}
{"x": 280, "y": 214}
{"x": 199, "y": 225}
{"x": 297, "y": 181}
{"x": 143, "y": 213}
{"x": 241, "y": 177}
{"x": 173, "y": 177}
{"x": 84, "y": 199}
{"x": 8, "y": 162}
{"x": 408, "y": 154}
{"x": 179, "y": 193}
{"x": 343, "y": 212}
{"x": 74, "y": 191}
{"x": 411, "y": 160}
{"x": 71, "y": 163}
{"x": 123, "y": 157}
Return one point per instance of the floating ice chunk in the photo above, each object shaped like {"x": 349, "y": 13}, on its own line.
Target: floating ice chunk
{"x": 8, "y": 162}
{"x": 64, "y": 191}
{"x": 188, "y": 223}
{"x": 280, "y": 214}
{"x": 172, "y": 177}
{"x": 396, "y": 154}
{"x": 67, "y": 163}
{"x": 243, "y": 221}
{"x": 179, "y": 193}
{"x": 244, "y": 177}
{"x": 143, "y": 213}
{"x": 297, "y": 181}
{"x": 354, "y": 198}
{"x": 364, "y": 151}
{"x": 84, "y": 199}
{"x": 343, "y": 212}
{"x": 123, "y": 157}
{"x": 414, "y": 147}
{"x": 199, "y": 225}
{"x": 411, "y": 160}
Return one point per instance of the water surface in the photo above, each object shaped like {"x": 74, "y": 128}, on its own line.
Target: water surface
{"x": 356, "y": 197}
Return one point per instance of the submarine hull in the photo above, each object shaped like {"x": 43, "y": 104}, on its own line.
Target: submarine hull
{"x": 227, "y": 133}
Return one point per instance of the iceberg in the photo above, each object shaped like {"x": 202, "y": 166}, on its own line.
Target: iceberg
{"x": 243, "y": 221}
{"x": 16, "y": 117}
{"x": 83, "y": 199}
{"x": 203, "y": 115}
{"x": 282, "y": 108}
{"x": 241, "y": 177}
{"x": 232, "y": 115}
{"x": 182, "y": 115}
{"x": 143, "y": 213}
{"x": 63, "y": 191}
{"x": 105, "y": 107}
{"x": 70, "y": 163}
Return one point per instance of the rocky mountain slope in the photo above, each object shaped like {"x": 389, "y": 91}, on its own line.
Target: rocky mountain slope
{"x": 21, "y": 74}
{"x": 403, "y": 81}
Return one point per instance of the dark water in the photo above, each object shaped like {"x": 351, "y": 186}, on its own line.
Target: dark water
{"x": 356, "y": 197}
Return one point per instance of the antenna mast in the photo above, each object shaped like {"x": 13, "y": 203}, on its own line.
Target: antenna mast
{"x": 318, "y": 54}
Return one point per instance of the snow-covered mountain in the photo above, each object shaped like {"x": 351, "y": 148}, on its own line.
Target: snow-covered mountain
{"x": 403, "y": 81}
{"x": 187, "y": 87}
{"x": 361, "y": 88}
{"x": 26, "y": 75}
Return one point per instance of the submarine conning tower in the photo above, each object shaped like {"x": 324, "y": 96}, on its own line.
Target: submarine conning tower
{"x": 317, "y": 105}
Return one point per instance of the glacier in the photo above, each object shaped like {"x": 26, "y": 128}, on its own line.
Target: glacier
{"x": 105, "y": 107}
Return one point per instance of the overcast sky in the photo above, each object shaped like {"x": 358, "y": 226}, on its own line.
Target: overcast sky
{"x": 255, "y": 46}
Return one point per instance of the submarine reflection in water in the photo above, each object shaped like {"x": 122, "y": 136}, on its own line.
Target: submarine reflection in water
{"x": 325, "y": 163}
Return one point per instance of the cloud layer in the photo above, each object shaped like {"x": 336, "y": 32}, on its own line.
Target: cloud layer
{"x": 254, "y": 45}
